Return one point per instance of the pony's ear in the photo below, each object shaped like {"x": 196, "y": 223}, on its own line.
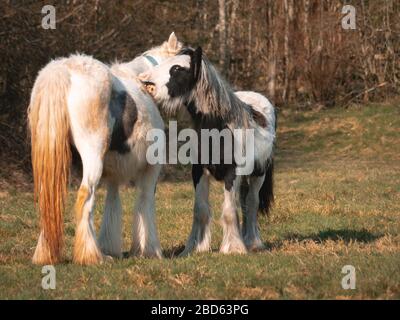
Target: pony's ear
{"x": 172, "y": 42}
{"x": 197, "y": 59}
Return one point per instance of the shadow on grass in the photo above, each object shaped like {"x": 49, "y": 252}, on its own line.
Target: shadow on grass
{"x": 345, "y": 235}
{"x": 169, "y": 253}
{"x": 173, "y": 252}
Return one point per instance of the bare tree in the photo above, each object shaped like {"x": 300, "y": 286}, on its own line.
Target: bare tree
{"x": 222, "y": 36}
{"x": 306, "y": 31}
{"x": 232, "y": 34}
{"x": 250, "y": 39}
{"x": 272, "y": 50}
{"x": 289, "y": 15}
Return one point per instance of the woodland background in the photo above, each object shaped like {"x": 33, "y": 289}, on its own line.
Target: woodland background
{"x": 293, "y": 51}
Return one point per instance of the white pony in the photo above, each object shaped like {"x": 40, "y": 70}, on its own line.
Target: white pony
{"x": 102, "y": 112}
{"x": 189, "y": 80}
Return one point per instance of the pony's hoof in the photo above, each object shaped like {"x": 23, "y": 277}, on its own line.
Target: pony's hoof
{"x": 234, "y": 250}
{"x": 110, "y": 254}
{"x": 254, "y": 244}
{"x": 108, "y": 259}
{"x": 234, "y": 247}
{"x": 185, "y": 253}
{"x": 86, "y": 261}
{"x": 189, "y": 250}
{"x": 151, "y": 254}
{"x": 83, "y": 256}
{"x": 154, "y": 255}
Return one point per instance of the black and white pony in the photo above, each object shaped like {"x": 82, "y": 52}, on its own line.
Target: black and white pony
{"x": 189, "y": 80}
{"x": 104, "y": 113}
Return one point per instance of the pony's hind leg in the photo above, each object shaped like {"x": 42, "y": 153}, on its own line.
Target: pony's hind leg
{"x": 232, "y": 241}
{"x": 110, "y": 237}
{"x": 86, "y": 250}
{"x": 244, "y": 191}
{"x": 200, "y": 236}
{"x": 251, "y": 232}
{"x": 145, "y": 242}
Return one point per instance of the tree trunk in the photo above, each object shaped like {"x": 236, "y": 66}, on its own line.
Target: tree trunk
{"x": 222, "y": 36}
{"x": 307, "y": 41}
{"x": 232, "y": 34}
{"x": 289, "y": 14}
{"x": 272, "y": 51}
{"x": 250, "y": 41}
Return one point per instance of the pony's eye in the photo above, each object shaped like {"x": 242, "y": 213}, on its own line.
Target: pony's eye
{"x": 176, "y": 68}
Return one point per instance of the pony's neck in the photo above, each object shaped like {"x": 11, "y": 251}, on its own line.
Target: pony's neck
{"x": 141, "y": 63}
{"x": 138, "y": 65}
{"x": 213, "y": 97}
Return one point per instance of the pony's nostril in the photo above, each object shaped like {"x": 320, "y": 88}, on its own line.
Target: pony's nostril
{"x": 149, "y": 86}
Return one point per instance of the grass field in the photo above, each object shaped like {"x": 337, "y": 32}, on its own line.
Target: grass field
{"x": 337, "y": 203}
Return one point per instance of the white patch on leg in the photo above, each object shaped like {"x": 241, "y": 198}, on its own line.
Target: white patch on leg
{"x": 232, "y": 239}
{"x": 145, "y": 240}
{"x": 110, "y": 238}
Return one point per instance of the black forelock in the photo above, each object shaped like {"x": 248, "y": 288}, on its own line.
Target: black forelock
{"x": 186, "y": 50}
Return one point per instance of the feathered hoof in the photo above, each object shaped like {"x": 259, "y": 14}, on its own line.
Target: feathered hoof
{"x": 108, "y": 259}
{"x": 86, "y": 251}
{"x": 88, "y": 258}
{"x": 254, "y": 245}
{"x": 149, "y": 253}
{"x": 186, "y": 252}
{"x": 189, "y": 249}
{"x": 235, "y": 246}
{"x": 111, "y": 253}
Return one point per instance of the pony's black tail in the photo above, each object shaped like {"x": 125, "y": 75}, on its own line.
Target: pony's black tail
{"x": 266, "y": 193}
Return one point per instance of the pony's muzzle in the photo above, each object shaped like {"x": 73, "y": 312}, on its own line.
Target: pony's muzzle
{"x": 149, "y": 86}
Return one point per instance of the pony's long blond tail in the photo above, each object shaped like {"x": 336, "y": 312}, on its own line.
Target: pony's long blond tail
{"x": 51, "y": 157}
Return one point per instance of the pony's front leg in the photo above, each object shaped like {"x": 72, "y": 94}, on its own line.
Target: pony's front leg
{"x": 232, "y": 241}
{"x": 110, "y": 238}
{"x": 145, "y": 241}
{"x": 251, "y": 232}
{"x": 200, "y": 236}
